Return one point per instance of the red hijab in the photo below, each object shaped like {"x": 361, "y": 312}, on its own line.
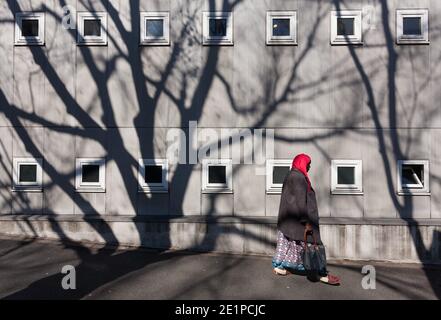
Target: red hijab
{"x": 300, "y": 163}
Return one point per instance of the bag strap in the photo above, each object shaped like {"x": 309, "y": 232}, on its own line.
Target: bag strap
{"x": 305, "y": 236}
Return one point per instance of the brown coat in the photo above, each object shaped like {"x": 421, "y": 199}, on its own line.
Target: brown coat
{"x": 297, "y": 207}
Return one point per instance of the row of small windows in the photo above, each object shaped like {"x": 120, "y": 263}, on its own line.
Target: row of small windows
{"x": 412, "y": 27}
{"x": 346, "y": 175}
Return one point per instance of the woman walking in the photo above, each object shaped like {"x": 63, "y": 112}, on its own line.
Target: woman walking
{"x": 298, "y": 213}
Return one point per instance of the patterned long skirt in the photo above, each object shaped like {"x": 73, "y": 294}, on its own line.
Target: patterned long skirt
{"x": 288, "y": 253}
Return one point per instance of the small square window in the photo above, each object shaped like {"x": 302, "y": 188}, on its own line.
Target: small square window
{"x": 281, "y": 28}
{"x": 90, "y": 175}
{"x": 276, "y": 172}
{"x": 29, "y": 28}
{"x": 216, "y": 176}
{"x": 153, "y": 175}
{"x": 280, "y": 173}
{"x": 27, "y": 174}
{"x": 413, "y": 26}
{"x": 346, "y": 27}
{"x": 155, "y": 28}
{"x": 413, "y": 177}
{"x": 346, "y": 177}
{"x": 92, "y": 28}
{"x": 217, "y": 28}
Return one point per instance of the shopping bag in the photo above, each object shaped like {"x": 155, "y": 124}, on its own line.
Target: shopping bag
{"x": 314, "y": 256}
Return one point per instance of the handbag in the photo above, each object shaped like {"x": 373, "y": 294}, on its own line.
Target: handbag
{"x": 314, "y": 256}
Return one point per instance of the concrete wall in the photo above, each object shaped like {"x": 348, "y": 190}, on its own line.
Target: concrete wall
{"x": 355, "y": 240}
{"x": 378, "y": 102}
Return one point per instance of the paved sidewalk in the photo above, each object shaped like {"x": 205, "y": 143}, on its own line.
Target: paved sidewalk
{"x": 32, "y": 270}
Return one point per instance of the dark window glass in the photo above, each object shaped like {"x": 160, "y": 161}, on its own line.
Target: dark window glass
{"x": 155, "y": 28}
{"x": 412, "y": 26}
{"x": 279, "y": 173}
{"x": 29, "y": 28}
{"x": 92, "y": 27}
{"x": 413, "y": 174}
{"x": 91, "y": 173}
{"x": 217, "y": 174}
{"x": 218, "y": 27}
{"x": 345, "y": 26}
{"x": 153, "y": 174}
{"x": 281, "y": 27}
{"x": 346, "y": 175}
{"x": 28, "y": 173}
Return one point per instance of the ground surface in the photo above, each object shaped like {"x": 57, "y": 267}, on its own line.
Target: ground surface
{"x": 32, "y": 270}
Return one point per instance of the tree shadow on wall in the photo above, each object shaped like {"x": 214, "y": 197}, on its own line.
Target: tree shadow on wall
{"x": 190, "y": 105}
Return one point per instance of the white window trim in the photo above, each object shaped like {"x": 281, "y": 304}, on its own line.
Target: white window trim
{"x": 217, "y": 187}
{"x": 342, "y": 40}
{"x": 409, "y": 39}
{"x": 413, "y": 189}
{"x": 281, "y": 40}
{"x": 357, "y": 187}
{"x": 275, "y": 188}
{"x": 153, "y": 187}
{"x": 29, "y": 41}
{"x": 206, "y": 39}
{"x": 90, "y": 186}
{"x": 92, "y": 40}
{"x": 36, "y": 186}
{"x": 161, "y": 41}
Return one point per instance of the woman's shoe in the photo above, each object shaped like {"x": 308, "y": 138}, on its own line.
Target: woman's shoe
{"x": 280, "y": 272}
{"x": 331, "y": 280}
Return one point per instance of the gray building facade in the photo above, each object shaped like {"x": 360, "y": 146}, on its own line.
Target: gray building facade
{"x": 369, "y": 98}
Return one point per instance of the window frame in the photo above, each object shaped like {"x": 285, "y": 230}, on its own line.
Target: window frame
{"x": 96, "y": 187}
{"x": 217, "y": 187}
{"x": 36, "y": 186}
{"x": 357, "y": 38}
{"x": 91, "y": 40}
{"x": 153, "y": 187}
{"x": 347, "y": 189}
{"x": 281, "y": 40}
{"x": 271, "y": 187}
{"x": 228, "y": 40}
{"x": 412, "y": 13}
{"x": 413, "y": 189}
{"x": 150, "y": 41}
{"x": 29, "y": 41}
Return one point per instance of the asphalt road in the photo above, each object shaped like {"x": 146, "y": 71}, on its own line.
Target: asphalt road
{"x": 32, "y": 270}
